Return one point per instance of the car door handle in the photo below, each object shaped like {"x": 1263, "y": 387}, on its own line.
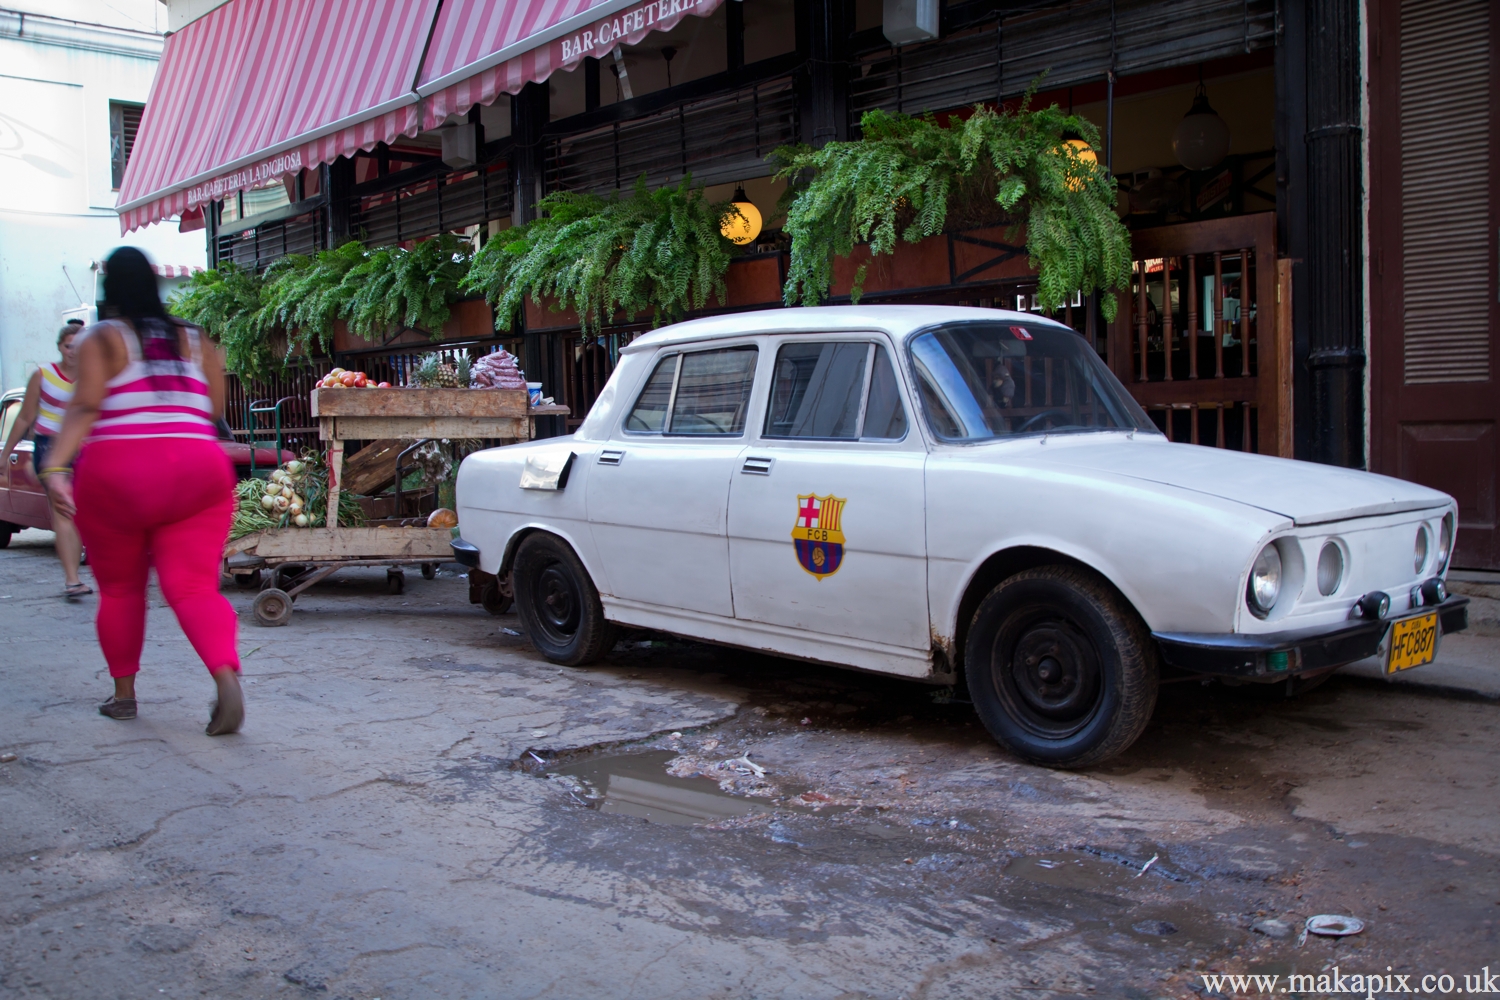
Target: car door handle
{"x": 15, "y": 459}
{"x": 757, "y": 467}
{"x": 611, "y": 456}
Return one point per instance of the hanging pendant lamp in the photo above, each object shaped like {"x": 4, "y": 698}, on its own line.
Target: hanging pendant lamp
{"x": 741, "y": 229}
{"x": 1202, "y": 137}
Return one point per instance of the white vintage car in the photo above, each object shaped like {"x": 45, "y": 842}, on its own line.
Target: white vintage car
{"x": 944, "y": 493}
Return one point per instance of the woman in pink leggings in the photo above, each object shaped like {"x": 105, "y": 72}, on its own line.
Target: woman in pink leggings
{"x": 152, "y": 486}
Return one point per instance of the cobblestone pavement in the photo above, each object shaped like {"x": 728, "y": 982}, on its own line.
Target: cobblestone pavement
{"x": 420, "y": 806}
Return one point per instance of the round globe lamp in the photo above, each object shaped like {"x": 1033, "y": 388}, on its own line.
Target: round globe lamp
{"x": 1202, "y": 138}
{"x": 744, "y": 227}
{"x": 1085, "y": 154}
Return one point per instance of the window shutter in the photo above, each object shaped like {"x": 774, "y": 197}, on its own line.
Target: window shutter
{"x": 1445, "y": 190}
{"x": 124, "y": 123}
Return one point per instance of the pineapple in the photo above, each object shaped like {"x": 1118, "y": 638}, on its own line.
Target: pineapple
{"x": 435, "y": 373}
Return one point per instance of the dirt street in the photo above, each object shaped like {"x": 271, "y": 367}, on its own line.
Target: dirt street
{"x": 420, "y": 806}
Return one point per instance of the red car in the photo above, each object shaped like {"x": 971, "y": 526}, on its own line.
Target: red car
{"x": 23, "y": 502}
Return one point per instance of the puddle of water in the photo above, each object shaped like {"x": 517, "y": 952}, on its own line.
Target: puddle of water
{"x": 638, "y": 785}
{"x": 1070, "y": 870}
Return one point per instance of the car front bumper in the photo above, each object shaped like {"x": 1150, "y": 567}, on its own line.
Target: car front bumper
{"x": 1278, "y": 655}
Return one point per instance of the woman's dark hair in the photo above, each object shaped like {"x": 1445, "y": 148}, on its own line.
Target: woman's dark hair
{"x": 130, "y": 293}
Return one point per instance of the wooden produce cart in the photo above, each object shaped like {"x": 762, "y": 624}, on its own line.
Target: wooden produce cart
{"x": 368, "y": 415}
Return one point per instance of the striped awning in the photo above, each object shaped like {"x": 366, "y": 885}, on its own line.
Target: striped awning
{"x": 257, "y": 90}
{"x": 481, "y": 49}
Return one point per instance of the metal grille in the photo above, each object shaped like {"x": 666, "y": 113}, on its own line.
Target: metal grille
{"x": 258, "y": 247}
{"x": 1445, "y": 210}
{"x": 437, "y": 205}
{"x": 292, "y": 389}
{"x": 1071, "y": 44}
{"x": 717, "y": 139}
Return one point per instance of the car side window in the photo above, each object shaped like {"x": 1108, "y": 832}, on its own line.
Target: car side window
{"x": 713, "y": 392}
{"x": 650, "y": 410}
{"x": 11, "y": 409}
{"x": 705, "y": 393}
{"x": 831, "y": 391}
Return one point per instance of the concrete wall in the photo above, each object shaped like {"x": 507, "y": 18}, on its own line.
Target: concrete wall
{"x": 57, "y": 215}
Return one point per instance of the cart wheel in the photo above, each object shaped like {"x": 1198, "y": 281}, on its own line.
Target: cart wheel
{"x": 429, "y": 571}
{"x": 492, "y": 600}
{"x": 395, "y": 581}
{"x": 247, "y": 581}
{"x": 285, "y": 577}
{"x": 272, "y": 607}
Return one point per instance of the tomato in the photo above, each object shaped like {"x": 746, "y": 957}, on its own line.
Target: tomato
{"x": 348, "y": 379}
{"x": 383, "y": 385}
{"x": 361, "y": 380}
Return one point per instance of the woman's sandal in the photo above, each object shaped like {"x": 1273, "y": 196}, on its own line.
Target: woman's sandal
{"x": 118, "y": 708}
{"x": 76, "y": 590}
{"x": 227, "y": 714}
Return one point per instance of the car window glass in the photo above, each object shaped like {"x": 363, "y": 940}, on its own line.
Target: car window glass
{"x": 8, "y": 418}
{"x": 885, "y": 417}
{"x": 817, "y": 390}
{"x": 980, "y": 381}
{"x": 713, "y": 392}
{"x": 650, "y": 408}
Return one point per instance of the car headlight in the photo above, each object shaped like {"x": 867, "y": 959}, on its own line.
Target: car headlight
{"x": 1445, "y": 542}
{"x": 1265, "y": 582}
{"x": 1419, "y": 554}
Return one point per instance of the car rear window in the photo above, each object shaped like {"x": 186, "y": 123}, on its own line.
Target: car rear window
{"x": 704, "y": 393}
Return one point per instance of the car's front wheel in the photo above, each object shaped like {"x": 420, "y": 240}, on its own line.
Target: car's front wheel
{"x": 558, "y": 603}
{"x": 1060, "y": 668}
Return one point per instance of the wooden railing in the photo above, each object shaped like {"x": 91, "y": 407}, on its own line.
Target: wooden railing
{"x": 1203, "y": 340}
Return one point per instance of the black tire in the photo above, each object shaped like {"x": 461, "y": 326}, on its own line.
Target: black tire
{"x": 429, "y": 571}
{"x": 272, "y": 607}
{"x": 247, "y": 581}
{"x": 284, "y": 577}
{"x": 4, "y": 538}
{"x": 395, "y": 581}
{"x": 1060, "y": 668}
{"x": 558, "y": 603}
{"x": 493, "y": 600}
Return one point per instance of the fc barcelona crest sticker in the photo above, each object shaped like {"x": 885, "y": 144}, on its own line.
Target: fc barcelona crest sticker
{"x": 818, "y": 537}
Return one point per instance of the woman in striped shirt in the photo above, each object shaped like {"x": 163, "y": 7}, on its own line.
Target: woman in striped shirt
{"x": 153, "y": 486}
{"x": 47, "y": 395}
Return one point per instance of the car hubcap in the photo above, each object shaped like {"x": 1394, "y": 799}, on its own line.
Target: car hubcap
{"x": 1048, "y": 676}
{"x": 558, "y": 605}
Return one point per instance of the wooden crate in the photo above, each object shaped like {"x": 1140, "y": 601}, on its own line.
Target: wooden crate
{"x": 412, "y": 414}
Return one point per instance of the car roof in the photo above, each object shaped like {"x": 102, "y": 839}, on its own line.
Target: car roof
{"x": 895, "y": 320}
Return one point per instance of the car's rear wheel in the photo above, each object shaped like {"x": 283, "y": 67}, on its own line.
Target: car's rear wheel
{"x": 1060, "y": 668}
{"x": 558, "y": 603}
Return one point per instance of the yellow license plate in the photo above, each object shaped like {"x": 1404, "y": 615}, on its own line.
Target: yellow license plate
{"x": 1413, "y": 642}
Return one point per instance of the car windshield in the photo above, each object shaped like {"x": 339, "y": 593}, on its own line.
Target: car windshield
{"x": 981, "y": 381}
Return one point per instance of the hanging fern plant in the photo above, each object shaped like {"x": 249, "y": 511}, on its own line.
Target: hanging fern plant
{"x": 227, "y": 303}
{"x": 655, "y": 251}
{"x": 911, "y": 177}
{"x": 263, "y": 321}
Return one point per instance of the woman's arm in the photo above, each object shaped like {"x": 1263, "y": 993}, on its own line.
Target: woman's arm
{"x": 98, "y": 361}
{"x": 213, "y": 369}
{"x": 26, "y": 417}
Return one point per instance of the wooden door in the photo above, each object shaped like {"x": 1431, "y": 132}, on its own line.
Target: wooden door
{"x": 1203, "y": 340}
{"x": 1434, "y": 218}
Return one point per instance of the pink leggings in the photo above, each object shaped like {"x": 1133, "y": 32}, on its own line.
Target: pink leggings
{"x": 163, "y": 502}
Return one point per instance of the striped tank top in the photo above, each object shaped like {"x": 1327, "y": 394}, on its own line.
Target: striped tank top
{"x": 157, "y": 394}
{"x": 57, "y": 389}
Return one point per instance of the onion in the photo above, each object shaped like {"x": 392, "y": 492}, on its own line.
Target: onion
{"x": 273, "y": 489}
{"x": 295, "y": 506}
{"x": 268, "y": 501}
{"x": 300, "y": 520}
{"x": 280, "y": 503}
{"x": 294, "y": 466}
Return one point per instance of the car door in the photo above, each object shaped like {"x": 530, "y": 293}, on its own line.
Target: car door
{"x": 826, "y": 512}
{"x": 9, "y": 410}
{"x": 28, "y": 498}
{"x": 657, "y": 501}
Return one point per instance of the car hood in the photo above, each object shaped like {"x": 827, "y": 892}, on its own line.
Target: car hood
{"x": 1306, "y": 492}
